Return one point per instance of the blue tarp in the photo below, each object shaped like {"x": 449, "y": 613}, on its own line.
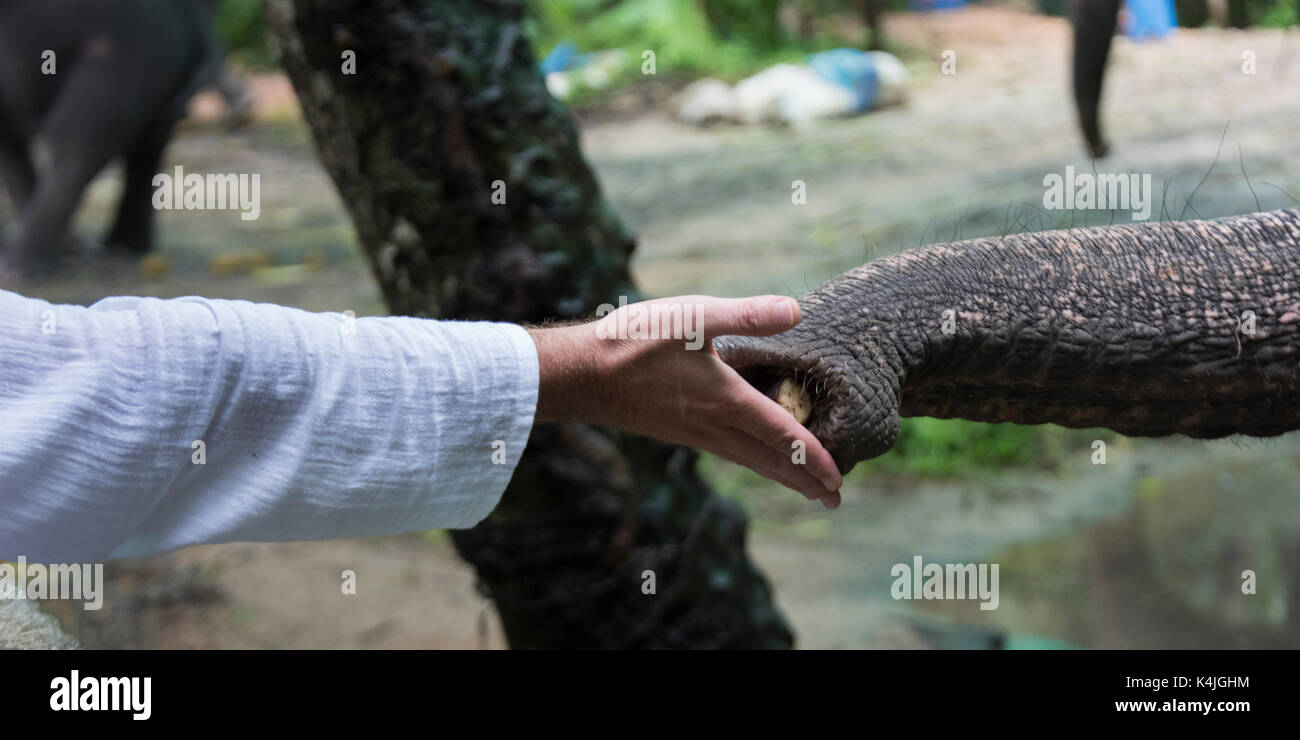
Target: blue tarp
{"x": 559, "y": 58}
{"x": 1150, "y": 19}
{"x": 849, "y": 68}
{"x": 923, "y": 5}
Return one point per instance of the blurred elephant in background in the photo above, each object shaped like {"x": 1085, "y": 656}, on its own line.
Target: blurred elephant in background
{"x": 87, "y": 81}
{"x": 1095, "y": 22}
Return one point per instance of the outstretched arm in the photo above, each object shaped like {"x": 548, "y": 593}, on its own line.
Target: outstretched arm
{"x": 141, "y": 425}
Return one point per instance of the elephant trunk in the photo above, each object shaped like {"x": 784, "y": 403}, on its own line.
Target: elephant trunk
{"x": 1168, "y": 328}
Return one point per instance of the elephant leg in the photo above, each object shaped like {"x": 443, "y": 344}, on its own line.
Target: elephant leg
{"x": 1094, "y": 27}
{"x": 16, "y": 167}
{"x": 239, "y": 105}
{"x": 132, "y": 231}
{"x": 84, "y": 129}
{"x": 16, "y": 170}
{"x": 48, "y": 211}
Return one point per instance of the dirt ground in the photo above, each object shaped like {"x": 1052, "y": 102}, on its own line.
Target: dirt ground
{"x": 965, "y": 156}
{"x": 1096, "y": 557}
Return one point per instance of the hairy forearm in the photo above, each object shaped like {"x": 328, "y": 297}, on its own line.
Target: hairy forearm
{"x": 568, "y": 372}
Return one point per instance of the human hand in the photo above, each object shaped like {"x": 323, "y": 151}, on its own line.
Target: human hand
{"x": 623, "y": 371}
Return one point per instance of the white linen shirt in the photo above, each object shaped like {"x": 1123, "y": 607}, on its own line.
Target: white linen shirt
{"x": 141, "y": 425}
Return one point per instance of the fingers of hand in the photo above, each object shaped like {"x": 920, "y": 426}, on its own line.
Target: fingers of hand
{"x": 749, "y": 452}
{"x": 759, "y": 316}
{"x": 763, "y": 419}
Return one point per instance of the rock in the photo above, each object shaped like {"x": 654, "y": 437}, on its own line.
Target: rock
{"x": 558, "y": 85}
{"x": 758, "y": 98}
{"x": 836, "y": 83}
{"x": 706, "y": 101}
{"x": 891, "y": 79}
{"x": 594, "y": 71}
{"x": 24, "y": 627}
{"x": 814, "y": 99}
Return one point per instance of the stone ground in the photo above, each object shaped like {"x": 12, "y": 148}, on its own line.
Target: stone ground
{"x": 1146, "y": 550}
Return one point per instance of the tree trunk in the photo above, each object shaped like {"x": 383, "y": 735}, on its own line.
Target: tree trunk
{"x": 445, "y": 117}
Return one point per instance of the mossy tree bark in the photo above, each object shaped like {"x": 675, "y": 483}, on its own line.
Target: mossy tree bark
{"x": 447, "y": 108}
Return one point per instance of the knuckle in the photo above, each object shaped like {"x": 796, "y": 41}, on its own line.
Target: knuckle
{"x": 750, "y": 319}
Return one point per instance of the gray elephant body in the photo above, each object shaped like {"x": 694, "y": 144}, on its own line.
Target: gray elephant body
{"x": 1169, "y": 328}
{"x": 93, "y": 80}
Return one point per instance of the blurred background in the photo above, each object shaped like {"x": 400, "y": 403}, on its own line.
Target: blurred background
{"x": 1144, "y": 551}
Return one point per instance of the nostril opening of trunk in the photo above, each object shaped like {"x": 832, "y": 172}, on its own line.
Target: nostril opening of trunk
{"x": 805, "y": 396}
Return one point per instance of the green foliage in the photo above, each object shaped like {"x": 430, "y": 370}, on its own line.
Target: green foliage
{"x": 242, "y": 31}
{"x": 727, "y": 38}
{"x": 1051, "y": 7}
{"x": 946, "y": 448}
{"x": 1241, "y": 13}
{"x": 753, "y": 21}
{"x": 1275, "y": 14}
{"x": 1192, "y": 13}
{"x": 954, "y": 447}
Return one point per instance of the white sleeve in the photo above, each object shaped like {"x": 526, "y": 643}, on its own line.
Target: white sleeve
{"x": 141, "y": 425}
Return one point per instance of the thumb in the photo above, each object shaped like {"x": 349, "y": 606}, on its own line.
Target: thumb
{"x": 759, "y": 316}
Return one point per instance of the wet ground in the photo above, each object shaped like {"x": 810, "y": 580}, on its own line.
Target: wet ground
{"x": 1147, "y": 550}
